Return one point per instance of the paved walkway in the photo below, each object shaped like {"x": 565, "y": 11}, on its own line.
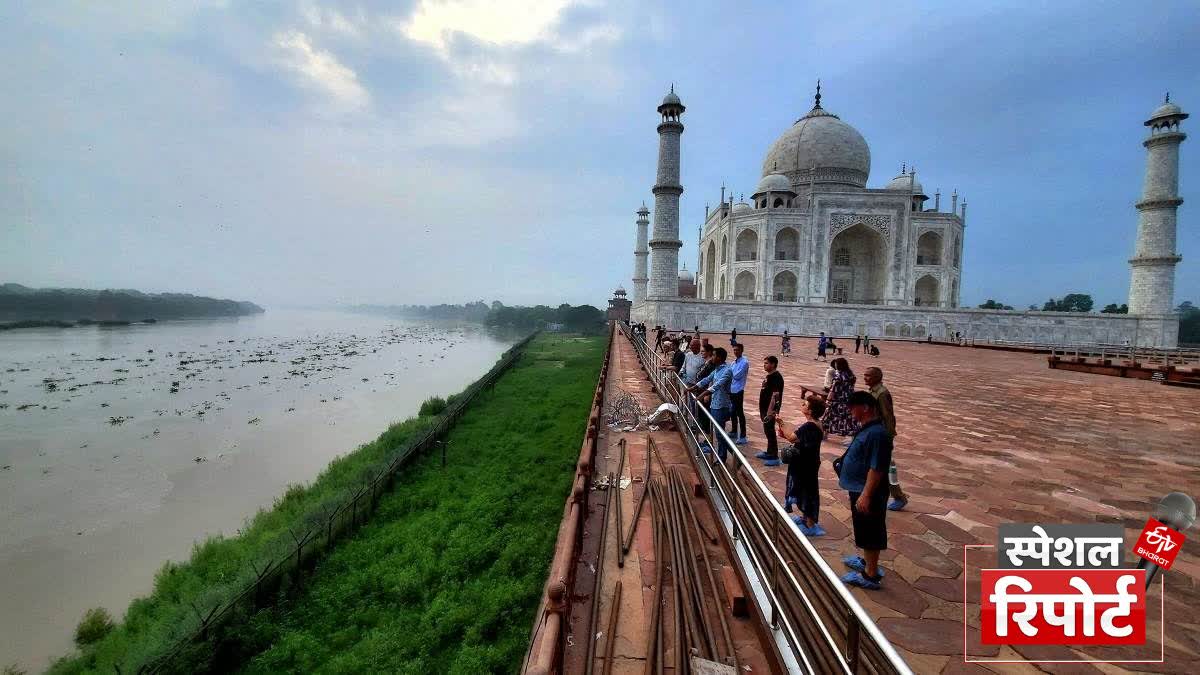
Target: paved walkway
{"x": 987, "y": 437}
{"x": 637, "y": 576}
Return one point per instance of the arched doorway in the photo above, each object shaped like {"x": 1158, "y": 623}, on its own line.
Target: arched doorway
{"x": 926, "y": 294}
{"x": 784, "y": 287}
{"x": 858, "y": 267}
{"x": 787, "y": 244}
{"x": 743, "y": 286}
{"x": 929, "y": 249}
{"x": 724, "y": 249}
{"x": 710, "y": 270}
{"x": 746, "y": 246}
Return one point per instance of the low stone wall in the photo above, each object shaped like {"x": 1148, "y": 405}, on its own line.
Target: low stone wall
{"x": 1059, "y": 328}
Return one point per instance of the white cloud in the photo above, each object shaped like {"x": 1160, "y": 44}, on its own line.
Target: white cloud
{"x": 500, "y": 23}
{"x": 353, "y": 25}
{"x": 320, "y": 70}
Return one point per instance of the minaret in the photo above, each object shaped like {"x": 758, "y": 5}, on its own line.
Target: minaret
{"x": 664, "y": 265}
{"x": 639, "y": 255}
{"x": 1152, "y": 282}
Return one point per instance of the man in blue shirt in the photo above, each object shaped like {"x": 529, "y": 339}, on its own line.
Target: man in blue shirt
{"x": 716, "y": 385}
{"x": 822, "y": 344}
{"x": 737, "y": 394}
{"x": 863, "y": 474}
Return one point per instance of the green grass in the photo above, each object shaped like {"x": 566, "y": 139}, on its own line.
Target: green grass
{"x": 447, "y": 574}
{"x": 221, "y": 567}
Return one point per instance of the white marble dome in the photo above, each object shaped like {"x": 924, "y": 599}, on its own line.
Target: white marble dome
{"x": 685, "y": 275}
{"x": 902, "y": 183}
{"x": 741, "y": 206}
{"x": 773, "y": 182}
{"x": 839, "y": 153}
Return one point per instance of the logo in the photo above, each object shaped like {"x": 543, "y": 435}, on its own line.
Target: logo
{"x": 1158, "y": 544}
{"x": 1062, "y": 585}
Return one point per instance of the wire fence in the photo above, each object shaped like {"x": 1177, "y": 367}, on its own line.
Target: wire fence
{"x": 319, "y": 531}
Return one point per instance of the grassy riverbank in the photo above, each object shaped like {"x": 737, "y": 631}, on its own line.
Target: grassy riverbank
{"x": 447, "y": 574}
{"x": 221, "y": 567}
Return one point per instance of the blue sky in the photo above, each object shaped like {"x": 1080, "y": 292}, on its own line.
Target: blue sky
{"x": 452, "y": 150}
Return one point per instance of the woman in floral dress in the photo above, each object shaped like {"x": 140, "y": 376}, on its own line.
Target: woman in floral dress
{"x": 837, "y": 419}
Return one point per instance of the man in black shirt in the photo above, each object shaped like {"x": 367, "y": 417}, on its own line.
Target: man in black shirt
{"x": 770, "y": 398}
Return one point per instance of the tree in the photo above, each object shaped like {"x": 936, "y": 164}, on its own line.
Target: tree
{"x": 1114, "y": 308}
{"x": 1189, "y": 323}
{"x": 992, "y": 304}
{"x": 1071, "y": 302}
{"x": 1033, "y": 308}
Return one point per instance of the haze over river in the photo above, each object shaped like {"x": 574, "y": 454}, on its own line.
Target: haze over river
{"x": 120, "y": 447}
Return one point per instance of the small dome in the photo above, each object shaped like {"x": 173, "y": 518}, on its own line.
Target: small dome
{"x": 685, "y": 275}
{"x": 774, "y": 182}
{"x": 620, "y": 290}
{"x": 1166, "y": 110}
{"x": 671, "y": 98}
{"x": 741, "y": 206}
{"x": 904, "y": 182}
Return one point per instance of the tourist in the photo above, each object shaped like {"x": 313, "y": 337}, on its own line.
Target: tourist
{"x": 804, "y": 461}
{"x": 862, "y": 474}
{"x": 874, "y": 351}
{"x": 857, "y": 343}
{"x": 733, "y": 337}
{"x": 659, "y": 333}
{"x": 705, "y": 370}
{"x": 873, "y": 378}
{"x": 716, "y": 386}
{"x": 837, "y": 418}
{"x": 785, "y": 347}
{"x": 737, "y": 392}
{"x": 693, "y": 361}
{"x": 822, "y": 345}
{"x": 672, "y": 351}
{"x": 866, "y": 343}
{"x": 770, "y": 398}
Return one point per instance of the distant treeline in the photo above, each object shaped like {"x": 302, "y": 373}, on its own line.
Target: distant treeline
{"x": 579, "y": 318}
{"x": 21, "y": 304}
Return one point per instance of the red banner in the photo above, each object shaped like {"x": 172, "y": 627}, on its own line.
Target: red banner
{"x": 1063, "y": 607}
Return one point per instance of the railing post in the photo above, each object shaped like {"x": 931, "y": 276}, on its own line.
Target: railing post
{"x": 852, "y": 639}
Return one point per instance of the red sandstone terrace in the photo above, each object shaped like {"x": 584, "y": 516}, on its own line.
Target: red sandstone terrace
{"x": 988, "y": 437}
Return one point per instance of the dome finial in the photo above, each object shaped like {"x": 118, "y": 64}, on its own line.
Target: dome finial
{"x": 1167, "y": 99}
{"x": 903, "y": 167}
{"x": 817, "y": 104}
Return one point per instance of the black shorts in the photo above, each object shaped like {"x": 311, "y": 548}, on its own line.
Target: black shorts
{"x": 870, "y": 529}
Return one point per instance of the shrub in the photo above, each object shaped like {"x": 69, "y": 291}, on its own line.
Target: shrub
{"x": 432, "y": 406}
{"x": 96, "y": 623}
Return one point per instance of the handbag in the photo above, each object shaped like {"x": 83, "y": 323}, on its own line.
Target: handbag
{"x": 837, "y": 465}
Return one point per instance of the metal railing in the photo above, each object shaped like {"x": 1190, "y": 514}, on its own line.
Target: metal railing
{"x": 816, "y": 623}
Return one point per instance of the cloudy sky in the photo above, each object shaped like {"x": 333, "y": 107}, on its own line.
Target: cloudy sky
{"x": 453, "y": 150}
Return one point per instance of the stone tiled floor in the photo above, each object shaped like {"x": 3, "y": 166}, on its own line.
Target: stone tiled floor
{"x": 987, "y": 437}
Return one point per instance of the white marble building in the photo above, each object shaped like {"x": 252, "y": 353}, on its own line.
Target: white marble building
{"x": 816, "y": 249}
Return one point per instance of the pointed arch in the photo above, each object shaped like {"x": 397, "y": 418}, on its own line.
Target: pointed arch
{"x": 927, "y": 291}
{"x": 744, "y": 286}
{"x": 784, "y": 287}
{"x": 858, "y": 270}
{"x": 722, "y": 287}
{"x": 746, "y": 246}
{"x": 787, "y": 244}
{"x": 710, "y": 270}
{"x": 724, "y": 249}
{"x": 929, "y": 249}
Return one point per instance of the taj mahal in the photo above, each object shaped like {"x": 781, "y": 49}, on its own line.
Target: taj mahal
{"x": 816, "y": 249}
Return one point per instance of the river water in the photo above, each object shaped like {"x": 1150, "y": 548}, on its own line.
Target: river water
{"x": 120, "y": 447}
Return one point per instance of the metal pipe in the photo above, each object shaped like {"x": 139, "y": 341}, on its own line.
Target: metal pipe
{"x": 599, "y": 581}
{"x": 610, "y": 637}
